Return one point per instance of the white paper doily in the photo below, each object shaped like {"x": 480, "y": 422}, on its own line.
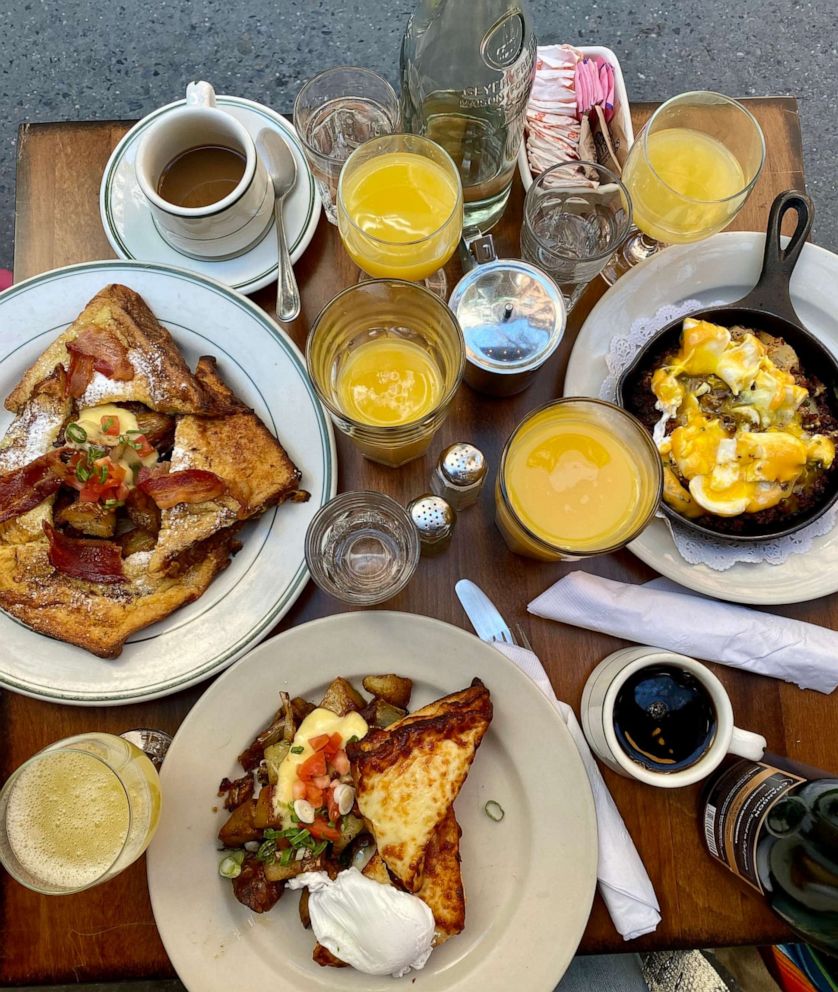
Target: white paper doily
{"x": 716, "y": 553}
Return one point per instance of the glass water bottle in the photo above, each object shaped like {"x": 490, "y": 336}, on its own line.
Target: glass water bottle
{"x": 467, "y": 67}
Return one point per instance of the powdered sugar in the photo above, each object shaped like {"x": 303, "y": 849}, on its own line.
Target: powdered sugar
{"x": 31, "y": 434}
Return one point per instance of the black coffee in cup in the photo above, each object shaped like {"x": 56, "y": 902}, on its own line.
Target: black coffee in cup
{"x": 664, "y": 718}
{"x": 201, "y": 176}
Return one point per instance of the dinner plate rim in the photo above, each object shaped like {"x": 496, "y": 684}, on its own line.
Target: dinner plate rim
{"x": 730, "y": 585}
{"x": 156, "y": 860}
{"x": 255, "y": 282}
{"x": 296, "y": 584}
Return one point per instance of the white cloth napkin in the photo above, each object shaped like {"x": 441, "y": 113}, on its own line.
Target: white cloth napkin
{"x": 624, "y": 884}
{"x": 665, "y": 615}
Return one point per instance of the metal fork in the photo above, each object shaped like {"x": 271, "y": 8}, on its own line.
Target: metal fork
{"x": 519, "y": 638}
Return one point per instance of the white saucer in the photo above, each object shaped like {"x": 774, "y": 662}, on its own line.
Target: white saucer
{"x": 131, "y": 231}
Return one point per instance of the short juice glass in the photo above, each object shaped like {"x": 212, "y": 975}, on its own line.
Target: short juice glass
{"x": 400, "y": 207}
{"x": 578, "y": 477}
{"x": 78, "y": 813}
{"x": 386, "y": 358}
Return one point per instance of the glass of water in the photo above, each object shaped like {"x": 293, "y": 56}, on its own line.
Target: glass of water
{"x": 335, "y": 112}
{"x": 576, "y": 214}
{"x": 362, "y": 548}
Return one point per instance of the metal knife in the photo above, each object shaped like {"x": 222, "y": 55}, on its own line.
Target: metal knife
{"x": 488, "y": 624}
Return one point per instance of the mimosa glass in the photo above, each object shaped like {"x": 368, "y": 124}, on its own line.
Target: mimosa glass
{"x": 77, "y": 813}
{"x": 689, "y": 172}
{"x": 400, "y": 208}
{"x": 386, "y": 358}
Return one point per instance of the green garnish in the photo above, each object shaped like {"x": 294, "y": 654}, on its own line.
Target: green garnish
{"x": 287, "y": 856}
{"x": 111, "y": 504}
{"x": 230, "y": 867}
{"x": 124, "y": 439}
{"x": 82, "y": 472}
{"x": 298, "y": 749}
{"x": 318, "y": 849}
{"x": 76, "y": 433}
{"x": 94, "y": 452}
{"x": 267, "y": 850}
{"x": 494, "y": 811}
{"x": 353, "y": 739}
{"x": 102, "y": 471}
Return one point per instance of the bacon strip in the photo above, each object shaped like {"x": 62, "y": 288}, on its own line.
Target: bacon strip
{"x": 192, "y": 485}
{"x": 79, "y": 374}
{"x": 109, "y": 354}
{"x": 24, "y": 488}
{"x": 93, "y": 561}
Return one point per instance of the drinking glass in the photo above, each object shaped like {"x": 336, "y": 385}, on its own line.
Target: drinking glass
{"x": 335, "y": 112}
{"x": 78, "y": 813}
{"x": 395, "y": 313}
{"x": 575, "y": 215}
{"x": 400, "y": 209}
{"x": 534, "y": 491}
{"x": 362, "y": 548}
{"x": 689, "y": 173}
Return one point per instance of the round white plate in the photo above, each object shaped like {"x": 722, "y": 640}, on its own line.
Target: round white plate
{"x": 131, "y": 231}
{"x": 529, "y": 880}
{"x": 263, "y": 366}
{"x": 723, "y": 268}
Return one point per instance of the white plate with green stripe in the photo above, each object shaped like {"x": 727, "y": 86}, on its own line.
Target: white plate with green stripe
{"x": 131, "y": 231}
{"x": 266, "y": 370}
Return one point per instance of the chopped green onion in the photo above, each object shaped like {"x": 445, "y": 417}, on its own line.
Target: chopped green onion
{"x": 111, "y": 504}
{"x": 102, "y": 471}
{"x": 76, "y": 433}
{"x": 133, "y": 432}
{"x": 94, "y": 452}
{"x": 494, "y": 811}
{"x": 353, "y": 739}
{"x": 295, "y": 818}
{"x": 238, "y": 856}
{"x": 82, "y": 472}
{"x": 298, "y": 749}
{"x": 319, "y": 848}
{"x": 229, "y": 868}
{"x": 267, "y": 850}
{"x": 287, "y": 856}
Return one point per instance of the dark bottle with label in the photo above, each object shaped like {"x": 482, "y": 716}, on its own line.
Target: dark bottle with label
{"x": 777, "y": 829}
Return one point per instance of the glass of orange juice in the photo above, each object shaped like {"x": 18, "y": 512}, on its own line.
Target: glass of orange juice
{"x": 689, "y": 172}
{"x": 400, "y": 208}
{"x": 386, "y": 357}
{"x": 77, "y": 813}
{"x": 578, "y": 477}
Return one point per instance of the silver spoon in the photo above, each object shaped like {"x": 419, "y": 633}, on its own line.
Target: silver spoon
{"x": 283, "y": 172}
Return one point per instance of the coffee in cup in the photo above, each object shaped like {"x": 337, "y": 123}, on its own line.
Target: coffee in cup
{"x": 201, "y": 176}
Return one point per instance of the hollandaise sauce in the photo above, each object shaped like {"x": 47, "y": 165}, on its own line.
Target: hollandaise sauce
{"x": 388, "y": 381}
{"x": 580, "y": 477}
{"x": 681, "y": 187}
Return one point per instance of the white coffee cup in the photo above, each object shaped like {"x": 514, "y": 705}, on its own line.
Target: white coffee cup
{"x": 219, "y": 230}
{"x": 600, "y": 694}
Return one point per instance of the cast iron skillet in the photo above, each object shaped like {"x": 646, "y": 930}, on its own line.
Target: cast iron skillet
{"x": 767, "y": 307}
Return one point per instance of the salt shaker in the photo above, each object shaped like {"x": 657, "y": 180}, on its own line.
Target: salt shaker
{"x": 434, "y": 519}
{"x": 459, "y": 475}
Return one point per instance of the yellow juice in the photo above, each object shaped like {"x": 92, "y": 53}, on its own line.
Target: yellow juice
{"x": 401, "y": 205}
{"x": 576, "y": 483}
{"x": 682, "y": 168}
{"x": 387, "y": 382}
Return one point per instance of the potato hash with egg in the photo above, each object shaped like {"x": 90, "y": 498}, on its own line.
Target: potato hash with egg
{"x": 747, "y": 438}
{"x": 355, "y": 787}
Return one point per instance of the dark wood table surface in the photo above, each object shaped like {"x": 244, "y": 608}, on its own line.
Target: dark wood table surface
{"x": 109, "y": 933}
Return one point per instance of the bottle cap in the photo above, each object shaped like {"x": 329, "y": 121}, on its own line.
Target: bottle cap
{"x": 434, "y": 519}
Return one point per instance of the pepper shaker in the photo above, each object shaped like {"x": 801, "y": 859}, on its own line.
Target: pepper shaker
{"x": 434, "y": 519}
{"x": 459, "y": 475}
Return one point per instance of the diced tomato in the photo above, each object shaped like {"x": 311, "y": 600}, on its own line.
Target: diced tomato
{"x": 321, "y": 830}
{"x": 110, "y": 425}
{"x": 319, "y": 742}
{"x": 143, "y": 449}
{"x": 298, "y": 789}
{"x": 321, "y": 781}
{"x": 340, "y": 763}
{"x": 312, "y": 767}
{"x": 314, "y": 795}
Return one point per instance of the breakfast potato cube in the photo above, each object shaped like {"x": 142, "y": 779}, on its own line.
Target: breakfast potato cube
{"x": 326, "y": 959}
{"x": 88, "y": 518}
{"x": 240, "y": 826}
{"x": 275, "y": 754}
{"x": 264, "y": 815}
{"x": 342, "y": 698}
{"x": 379, "y": 713}
{"x": 392, "y": 689}
{"x": 305, "y": 917}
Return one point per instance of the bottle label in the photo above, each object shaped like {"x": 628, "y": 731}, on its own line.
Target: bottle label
{"x": 736, "y": 807}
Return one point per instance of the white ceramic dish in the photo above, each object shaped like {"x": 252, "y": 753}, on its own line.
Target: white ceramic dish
{"x": 266, "y": 370}
{"x": 130, "y": 229}
{"x": 622, "y": 108}
{"x": 529, "y": 880}
{"x": 722, "y": 268}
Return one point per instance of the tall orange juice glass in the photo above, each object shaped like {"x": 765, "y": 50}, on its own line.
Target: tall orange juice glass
{"x": 400, "y": 207}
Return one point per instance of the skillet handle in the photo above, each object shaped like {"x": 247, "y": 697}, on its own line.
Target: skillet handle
{"x": 771, "y": 292}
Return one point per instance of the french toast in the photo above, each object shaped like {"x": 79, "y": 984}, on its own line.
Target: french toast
{"x": 114, "y": 444}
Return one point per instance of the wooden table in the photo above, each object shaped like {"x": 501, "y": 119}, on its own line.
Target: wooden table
{"x": 109, "y": 933}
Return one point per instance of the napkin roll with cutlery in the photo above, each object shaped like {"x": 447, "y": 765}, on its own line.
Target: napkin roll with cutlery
{"x": 665, "y": 615}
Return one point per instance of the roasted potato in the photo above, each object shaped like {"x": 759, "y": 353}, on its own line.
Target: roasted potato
{"x": 264, "y": 815}
{"x": 342, "y": 698}
{"x": 136, "y": 540}
{"x": 143, "y": 511}
{"x": 301, "y": 708}
{"x": 275, "y": 754}
{"x": 392, "y": 689}
{"x": 254, "y": 889}
{"x": 240, "y": 826}
{"x": 88, "y": 518}
{"x": 275, "y": 872}
{"x": 326, "y": 959}
{"x": 350, "y": 828}
{"x": 305, "y": 918}
{"x": 381, "y": 714}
